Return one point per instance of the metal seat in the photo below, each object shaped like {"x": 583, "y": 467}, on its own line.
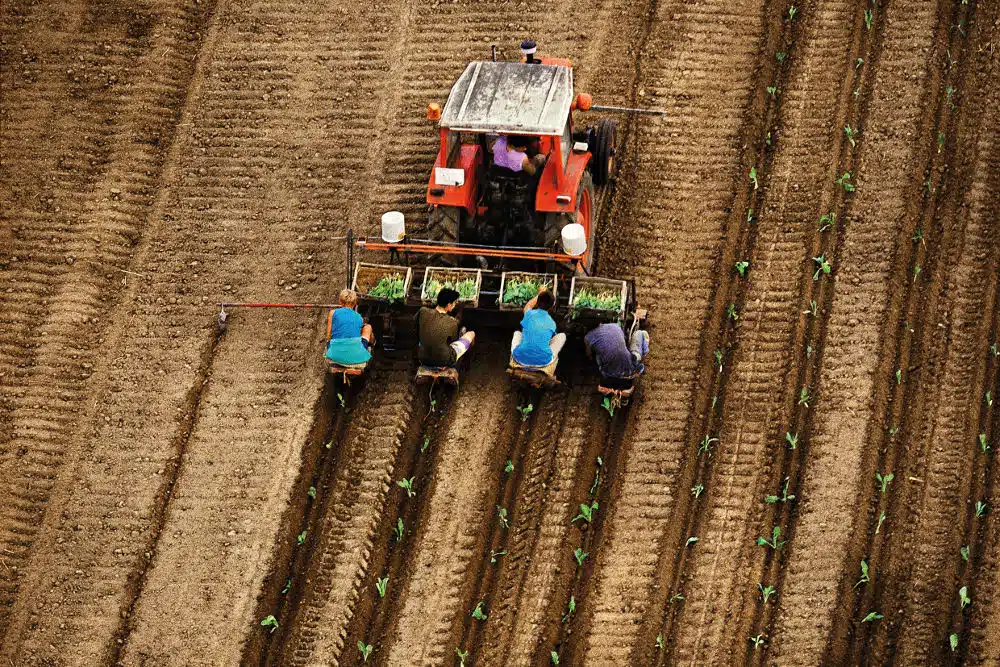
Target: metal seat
{"x": 446, "y": 374}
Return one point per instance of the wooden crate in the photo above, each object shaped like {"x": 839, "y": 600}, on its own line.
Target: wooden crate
{"x": 603, "y": 285}
{"x": 550, "y": 278}
{"x": 366, "y": 277}
{"x": 449, "y": 274}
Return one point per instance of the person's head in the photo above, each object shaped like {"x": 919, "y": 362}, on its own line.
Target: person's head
{"x": 545, "y": 300}
{"x": 518, "y": 142}
{"x": 348, "y": 298}
{"x": 447, "y": 298}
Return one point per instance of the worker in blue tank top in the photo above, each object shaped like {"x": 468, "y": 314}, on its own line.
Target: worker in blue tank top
{"x": 350, "y": 337}
{"x": 537, "y": 345}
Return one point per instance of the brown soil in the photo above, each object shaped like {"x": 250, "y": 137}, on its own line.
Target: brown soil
{"x": 156, "y": 158}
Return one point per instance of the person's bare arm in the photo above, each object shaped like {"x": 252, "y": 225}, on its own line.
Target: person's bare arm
{"x": 529, "y": 166}
{"x": 533, "y": 300}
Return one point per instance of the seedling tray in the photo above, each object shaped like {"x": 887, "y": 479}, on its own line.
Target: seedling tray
{"x": 453, "y": 276}
{"x": 599, "y": 286}
{"x": 367, "y": 276}
{"x": 506, "y": 277}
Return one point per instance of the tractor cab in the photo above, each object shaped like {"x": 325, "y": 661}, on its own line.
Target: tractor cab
{"x": 473, "y": 199}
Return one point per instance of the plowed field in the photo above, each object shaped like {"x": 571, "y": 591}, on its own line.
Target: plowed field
{"x": 806, "y": 475}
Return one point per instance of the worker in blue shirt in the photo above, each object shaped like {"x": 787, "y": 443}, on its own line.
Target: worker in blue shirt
{"x": 351, "y": 339}
{"x": 537, "y": 345}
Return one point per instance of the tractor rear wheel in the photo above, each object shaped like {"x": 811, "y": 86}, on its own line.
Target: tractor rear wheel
{"x": 443, "y": 225}
{"x": 603, "y": 149}
{"x": 585, "y": 215}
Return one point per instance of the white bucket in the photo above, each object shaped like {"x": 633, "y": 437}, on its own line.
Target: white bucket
{"x": 393, "y": 227}
{"x": 574, "y": 239}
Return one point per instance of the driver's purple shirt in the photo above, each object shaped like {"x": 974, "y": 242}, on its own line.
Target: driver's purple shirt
{"x": 513, "y": 160}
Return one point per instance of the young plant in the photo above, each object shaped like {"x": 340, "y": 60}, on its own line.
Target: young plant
{"x": 773, "y": 91}
{"x": 792, "y": 439}
{"x": 881, "y": 520}
{"x": 478, "y": 613}
{"x": 753, "y": 178}
{"x": 858, "y": 63}
{"x": 792, "y": 11}
{"x": 580, "y": 556}
{"x": 872, "y": 616}
{"x": 758, "y": 640}
{"x": 502, "y": 515}
{"x": 311, "y": 492}
{"x": 953, "y": 641}
{"x": 780, "y": 56}
{"x": 462, "y": 655}
{"x": 691, "y": 540}
{"x": 812, "y": 309}
{"x": 570, "y": 608}
{"x": 706, "y": 444}
{"x": 496, "y": 554}
{"x": 597, "y": 477}
{"x": 869, "y": 18}
{"x": 389, "y": 287}
{"x": 608, "y": 405}
{"x": 426, "y": 444}
{"x": 918, "y": 236}
{"x": 659, "y": 641}
{"x": 288, "y": 586}
{"x": 586, "y": 512}
{"x": 301, "y": 539}
{"x": 380, "y": 586}
{"x": 554, "y": 657}
{"x": 940, "y": 141}
{"x": 989, "y": 399}
{"x": 964, "y": 553}
{"x": 844, "y": 181}
{"x": 827, "y": 220}
{"x": 731, "y": 312}
{"x": 525, "y": 411}
{"x": 899, "y": 376}
{"x": 270, "y": 622}
{"x": 765, "y": 592}
{"x": 594, "y": 300}
{"x": 366, "y": 650}
{"x": 508, "y": 467}
{"x": 741, "y": 268}
{"x": 677, "y": 597}
{"x": 399, "y": 530}
{"x": 851, "y": 134}
{"x": 775, "y": 542}
{"x": 822, "y": 266}
{"x": 804, "y": 397}
{"x": 697, "y": 490}
{"x": 949, "y": 91}
{"x": 407, "y": 485}
{"x": 340, "y": 397}
{"x": 865, "y": 578}
{"x": 981, "y": 509}
{"x": 963, "y": 595}
{"x": 884, "y": 480}
{"x": 785, "y": 497}
{"x": 718, "y": 360}
{"x": 983, "y": 444}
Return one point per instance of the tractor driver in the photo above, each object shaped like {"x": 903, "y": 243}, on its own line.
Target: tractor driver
{"x": 511, "y": 152}
{"x": 618, "y": 363}
{"x": 350, "y": 337}
{"x": 441, "y": 343}
{"x": 538, "y": 345}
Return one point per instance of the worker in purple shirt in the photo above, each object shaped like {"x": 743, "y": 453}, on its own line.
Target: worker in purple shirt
{"x": 617, "y": 360}
{"x": 511, "y": 152}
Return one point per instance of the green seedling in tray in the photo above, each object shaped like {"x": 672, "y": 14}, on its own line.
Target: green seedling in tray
{"x": 595, "y": 300}
{"x": 466, "y": 288}
{"x": 519, "y": 291}
{"x": 389, "y": 287}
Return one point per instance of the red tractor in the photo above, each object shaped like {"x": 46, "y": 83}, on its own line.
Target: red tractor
{"x": 475, "y": 201}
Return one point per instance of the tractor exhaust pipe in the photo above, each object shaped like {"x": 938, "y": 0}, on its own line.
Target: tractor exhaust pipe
{"x": 528, "y": 48}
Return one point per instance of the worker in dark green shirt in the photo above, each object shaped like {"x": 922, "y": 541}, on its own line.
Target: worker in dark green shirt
{"x": 440, "y": 342}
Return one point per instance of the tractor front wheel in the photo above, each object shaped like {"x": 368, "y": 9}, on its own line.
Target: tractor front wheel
{"x": 602, "y": 147}
{"x": 585, "y": 215}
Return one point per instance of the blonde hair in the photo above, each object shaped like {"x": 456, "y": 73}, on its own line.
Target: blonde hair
{"x": 348, "y": 297}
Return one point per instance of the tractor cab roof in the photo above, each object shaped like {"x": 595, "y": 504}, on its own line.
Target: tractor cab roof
{"x": 506, "y": 97}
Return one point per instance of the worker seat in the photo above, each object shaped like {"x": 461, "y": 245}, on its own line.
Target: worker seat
{"x": 512, "y": 189}
{"x": 617, "y": 387}
{"x": 539, "y": 377}
{"x": 435, "y": 374}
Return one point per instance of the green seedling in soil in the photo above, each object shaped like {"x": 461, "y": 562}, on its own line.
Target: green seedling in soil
{"x": 697, "y": 490}
{"x": 580, "y": 556}
{"x": 753, "y": 178}
{"x": 780, "y": 56}
{"x": 301, "y": 539}
{"x": 983, "y": 444}
{"x": 869, "y": 17}
{"x": 570, "y": 609}
{"x": 918, "y": 235}
{"x": 927, "y": 187}
{"x": 340, "y": 397}
{"x": 827, "y": 220}
{"x": 851, "y": 134}
{"x": 916, "y": 272}
{"x": 981, "y": 509}
{"x": 478, "y": 614}
{"x": 772, "y": 91}
{"x": 595, "y": 300}
{"x": 329, "y": 444}
{"x": 881, "y": 520}
{"x": 940, "y": 141}
{"x": 953, "y": 642}
{"x": 466, "y": 288}
{"x": 872, "y": 616}
{"x": 809, "y": 351}
{"x": 380, "y": 586}
{"x": 706, "y": 444}
{"x": 366, "y": 650}
{"x": 858, "y": 63}
{"x": 857, "y": 91}
{"x": 659, "y": 641}
{"x": 989, "y": 399}
{"x": 270, "y": 622}
{"x": 822, "y": 266}
{"x": 893, "y": 430}
{"x": 964, "y": 553}
{"x": 390, "y": 287}
{"x": 502, "y": 515}
{"x": 525, "y": 411}
{"x": 750, "y": 210}
{"x": 792, "y": 439}
{"x": 995, "y": 350}
{"x": 949, "y": 91}
{"x": 555, "y": 658}
{"x": 731, "y": 312}
{"x": 765, "y": 592}
{"x": 812, "y": 309}
{"x": 427, "y": 443}
{"x": 288, "y": 586}
{"x": 758, "y": 640}
{"x": 865, "y": 577}
{"x": 767, "y": 140}
{"x": 771, "y": 500}
{"x": 775, "y": 542}
{"x": 845, "y": 182}
{"x": 311, "y": 492}
{"x": 462, "y": 655}
{"x": 960, "y": 26}
{"x": 608, "y": 405}
{"x": 407, "y": 485}
{"x": 586, "y": 512}
{"x": 677, "y": 597}
{"x": 399, "y": 530}
{"x": 508, "y": 467}
{"x": 963, "y": 595}
{"x": 804, "y": 397}
{"x": 434, "y": 404}
{"x": 691, "y": 540}
{"x": 715, "y": 400}
{"x": 597, "y": 477}
{"x": 792, "y": 11}
{"x": 884, "y": 480}
{"x": 899, "y": 376}
{"x": 496, "y": 554}
{"x": 741, "y": 268}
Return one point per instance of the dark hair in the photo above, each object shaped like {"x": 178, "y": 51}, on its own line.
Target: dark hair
{"x": 545, "y": 300}
{"x": 447, "y": 296}
{"x": 518, "y": 141}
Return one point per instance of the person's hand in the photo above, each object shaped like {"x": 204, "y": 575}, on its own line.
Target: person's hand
{"x": 543, "y": 288}
{"x": 540, "y": 159}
